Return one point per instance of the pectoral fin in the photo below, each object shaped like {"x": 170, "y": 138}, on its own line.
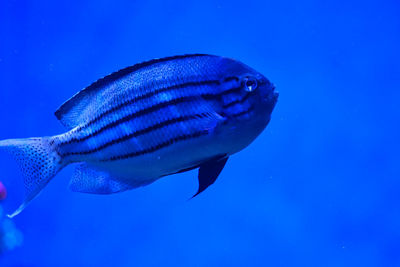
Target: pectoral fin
{"x": 208, "y": 173}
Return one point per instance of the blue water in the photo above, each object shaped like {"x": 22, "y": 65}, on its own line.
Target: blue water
{"x": 319, "y": 187}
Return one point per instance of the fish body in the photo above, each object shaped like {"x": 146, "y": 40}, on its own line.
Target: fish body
{"x": 151, "y": 120}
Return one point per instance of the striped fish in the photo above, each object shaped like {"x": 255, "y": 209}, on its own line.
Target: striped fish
{"x": 148, "y": 121}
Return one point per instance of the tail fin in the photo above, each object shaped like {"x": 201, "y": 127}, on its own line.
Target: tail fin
{"x": 38, "y": 161}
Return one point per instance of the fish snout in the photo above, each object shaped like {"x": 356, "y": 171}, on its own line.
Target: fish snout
{"x": 272, "y": 95}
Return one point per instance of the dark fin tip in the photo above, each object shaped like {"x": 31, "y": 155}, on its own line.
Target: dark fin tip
{"x": 209, "y": 172}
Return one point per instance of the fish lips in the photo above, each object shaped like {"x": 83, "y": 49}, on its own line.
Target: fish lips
{"x": 273, "y": 96}
{"x": 271, "y": 99}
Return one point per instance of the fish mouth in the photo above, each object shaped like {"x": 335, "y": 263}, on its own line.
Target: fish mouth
{"x": 273, "y": 95}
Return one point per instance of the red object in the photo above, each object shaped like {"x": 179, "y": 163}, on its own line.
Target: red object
{"x": 3, "y": 191}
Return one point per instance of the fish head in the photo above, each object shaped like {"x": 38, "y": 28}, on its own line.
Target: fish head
{"x": 249, "y": 96}
{"x": 260, "y": 94}
{"x": 247, "y": 103}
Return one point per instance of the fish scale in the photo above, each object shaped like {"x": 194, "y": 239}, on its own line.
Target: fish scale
{"x": 141, "y": 122}
{"x": 124, "y": 111}
{"x": 150, "y": 120}
{"x": 146, "y": 104}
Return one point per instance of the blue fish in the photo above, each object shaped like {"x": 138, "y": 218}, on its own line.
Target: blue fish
{"x": 150, "y": 120}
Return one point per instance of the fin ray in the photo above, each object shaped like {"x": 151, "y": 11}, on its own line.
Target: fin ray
{"x": 88, "y": 179}
{"x": 38, "y": 162}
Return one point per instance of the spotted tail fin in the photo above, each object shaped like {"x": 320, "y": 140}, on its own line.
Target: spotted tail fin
{"x": 39, "y": 163}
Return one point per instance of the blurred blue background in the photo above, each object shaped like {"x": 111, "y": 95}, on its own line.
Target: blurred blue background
{"x": 320, "y": 186}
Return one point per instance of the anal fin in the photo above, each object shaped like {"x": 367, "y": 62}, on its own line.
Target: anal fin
{"x": 92, "y": 181}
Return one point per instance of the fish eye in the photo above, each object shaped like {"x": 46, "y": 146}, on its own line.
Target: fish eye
{"x": 250, "y": 84}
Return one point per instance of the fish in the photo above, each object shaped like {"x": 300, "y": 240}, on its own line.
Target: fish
{"x": 147, "y": 121}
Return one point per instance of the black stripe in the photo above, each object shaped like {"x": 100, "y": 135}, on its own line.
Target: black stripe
{"x": 123, "y": 72}
{"x": 147, "y": 130}
{"x": 138, "y": 133}
{"x": 153, "y": 93}
{"x": 243, "y": 112}
{"x": 145, "y": 96}
{"x": 148, "y": 110}
{"x": 233, "y": 78}
{"x": 169, "y": 142}
{"x": 132, "y": 116}
{"x": 239, "y": 101}
{"x": 67, "y": 106}
{"x": 159, "y": 146}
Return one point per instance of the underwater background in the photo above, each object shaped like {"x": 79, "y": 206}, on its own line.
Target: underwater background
{"x": 319, "y": 187}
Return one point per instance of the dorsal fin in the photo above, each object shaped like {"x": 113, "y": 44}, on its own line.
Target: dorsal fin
{"x": 72, "y": 112}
